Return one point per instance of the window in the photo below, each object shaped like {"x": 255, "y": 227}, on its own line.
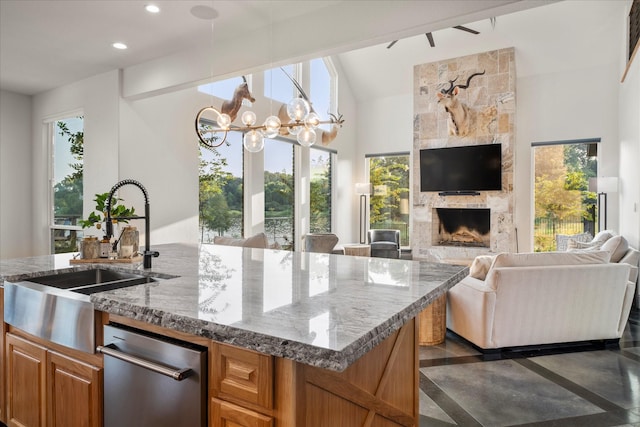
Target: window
{"x": 67, "y": 138}
{"x": 320, "y": 191}
{"x": 320, "y": 87}
{"x": 562, "y": 200}
{"x": 221, "y": 190}
{"x": 279, "y": 193}
{"x": 277, "y": 86}
{"x": 389, "y": 203}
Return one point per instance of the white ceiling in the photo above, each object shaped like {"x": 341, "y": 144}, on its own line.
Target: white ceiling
{"x": 48, "y": 43}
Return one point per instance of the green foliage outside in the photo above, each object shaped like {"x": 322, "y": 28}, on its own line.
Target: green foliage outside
{"x": 320, "y": 195}
{"x": 220, "y": 195}
{"x": 390, "y": 179}
{"x": 563, "y": 202}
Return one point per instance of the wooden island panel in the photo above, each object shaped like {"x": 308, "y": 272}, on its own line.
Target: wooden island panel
{"x": 378, "y": 390}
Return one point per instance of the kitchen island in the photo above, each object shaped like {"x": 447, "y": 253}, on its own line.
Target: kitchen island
{"x": 295, "y": 338}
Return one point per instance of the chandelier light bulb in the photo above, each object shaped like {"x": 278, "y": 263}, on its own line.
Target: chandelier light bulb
{"x": 253, "y": 141}
{"x": 312, "y": 120}
{"x": 293, "y": 130}
{"x": 249, "y": 118}
{"x": 272, "y": 126}
{"x": 224, "y": 121}
{"x": 307, "y": 137}
{"x": 298, "y": 109}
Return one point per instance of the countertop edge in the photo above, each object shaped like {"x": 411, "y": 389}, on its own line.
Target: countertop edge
{"x": 274, "y": 346}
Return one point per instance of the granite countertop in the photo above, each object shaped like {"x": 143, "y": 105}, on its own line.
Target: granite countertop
{"x": 318, "y": 309}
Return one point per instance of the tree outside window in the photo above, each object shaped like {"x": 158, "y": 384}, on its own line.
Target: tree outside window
{"x": 67, "y": 161}
{"x": 389, "y": 203}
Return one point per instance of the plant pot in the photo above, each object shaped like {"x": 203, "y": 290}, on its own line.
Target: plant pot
{"x": 90, "y": 248}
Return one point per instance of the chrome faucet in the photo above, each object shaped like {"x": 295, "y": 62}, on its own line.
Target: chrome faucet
{"x": 148, "y": 253}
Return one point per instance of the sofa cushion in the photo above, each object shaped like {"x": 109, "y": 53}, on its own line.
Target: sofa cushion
{"x": 227, "y": 241}
{"x": 256, "y": 241}
{"x": 531, "y": 259}
{"x": 480, "y": 266}
{"x": 617, "y": 246}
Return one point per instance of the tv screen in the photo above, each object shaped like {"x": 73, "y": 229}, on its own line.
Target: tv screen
{"x": 461, "y": 169}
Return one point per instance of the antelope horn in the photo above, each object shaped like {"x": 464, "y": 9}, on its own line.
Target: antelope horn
{"x": 244, "y": 79}
{"x": 450, "y": 89}
{"x": 468, "y": 80}
{"x": 297, "y": 85}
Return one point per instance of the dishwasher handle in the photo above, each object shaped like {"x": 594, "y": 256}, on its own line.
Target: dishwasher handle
{"x": 176, "y": 374}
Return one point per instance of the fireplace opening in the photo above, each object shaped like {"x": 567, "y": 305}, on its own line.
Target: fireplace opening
{"x": 463, "y": 227}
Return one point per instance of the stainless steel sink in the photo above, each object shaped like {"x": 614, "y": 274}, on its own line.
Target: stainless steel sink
{"x": 88, "y": 282}
{"x": 57, "y": 307}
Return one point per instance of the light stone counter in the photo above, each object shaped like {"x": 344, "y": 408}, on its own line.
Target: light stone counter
{"x": 318, "y": 309}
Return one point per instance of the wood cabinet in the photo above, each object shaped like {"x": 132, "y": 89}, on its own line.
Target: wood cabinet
{"x": 3, "y": 412}
{"x": 225, "y": 414}
{"x": 26, "y": 377}
{"x": 48, "y": 389}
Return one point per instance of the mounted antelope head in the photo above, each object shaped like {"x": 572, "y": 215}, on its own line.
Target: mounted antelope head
{"x": 232, "y": 106}
{"x": 458, "y": 112}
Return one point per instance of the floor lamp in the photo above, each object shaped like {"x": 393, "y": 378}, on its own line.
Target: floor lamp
{"x": 606, "y": 184}
{"x": 363, "y": 190}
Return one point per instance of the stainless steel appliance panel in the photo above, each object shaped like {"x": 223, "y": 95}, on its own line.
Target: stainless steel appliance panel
{"x": 152, "y": 382}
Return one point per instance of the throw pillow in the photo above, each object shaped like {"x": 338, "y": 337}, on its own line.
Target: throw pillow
{"x": 480, "y": 266}
{"x": 227, "y": 241}
{"x": 603, "y": 236}
{"x": 574, "y": 245}
{"x": 617, "y": 246}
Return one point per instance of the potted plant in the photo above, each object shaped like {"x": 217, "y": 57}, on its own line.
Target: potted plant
{"x": 91, "y": 248}
{"x": 117, "y": 210}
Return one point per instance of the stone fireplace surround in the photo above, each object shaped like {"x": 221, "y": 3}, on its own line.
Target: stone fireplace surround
{"x": 496, "y": 88}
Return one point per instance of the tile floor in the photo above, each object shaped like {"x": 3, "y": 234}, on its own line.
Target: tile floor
{"x": 586, "y": 388}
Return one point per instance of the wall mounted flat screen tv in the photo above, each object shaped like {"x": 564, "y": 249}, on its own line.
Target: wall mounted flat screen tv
{"x": 461, "y": 169}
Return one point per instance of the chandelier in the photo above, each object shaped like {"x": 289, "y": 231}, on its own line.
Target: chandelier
{"x": 302, "y": 122}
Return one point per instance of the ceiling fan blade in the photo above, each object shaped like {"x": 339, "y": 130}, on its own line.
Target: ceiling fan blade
{"x": 392, "y": 43}
{"x": 430, "y": 38}
{"x": 468, "y": 30}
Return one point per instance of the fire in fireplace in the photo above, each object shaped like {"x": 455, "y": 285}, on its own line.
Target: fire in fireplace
{"x": 463, "y": 227}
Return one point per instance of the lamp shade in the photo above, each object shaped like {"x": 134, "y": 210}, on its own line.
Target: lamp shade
{"x": 363, "y": 188}
{"x": 608, "y": 184}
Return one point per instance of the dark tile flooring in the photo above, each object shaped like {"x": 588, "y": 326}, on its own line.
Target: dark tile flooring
{"x": 587, "y": 388}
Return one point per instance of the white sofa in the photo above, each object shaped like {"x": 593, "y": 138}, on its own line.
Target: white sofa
{"x": 535, "y": 299}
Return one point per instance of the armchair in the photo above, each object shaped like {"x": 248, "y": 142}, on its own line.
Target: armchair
{"x": 384, "y": 243}
{"x": 320, "y": 242}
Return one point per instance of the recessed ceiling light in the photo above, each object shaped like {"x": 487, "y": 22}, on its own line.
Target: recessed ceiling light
{"x": 152, "y": 8}
{"x": 119, "y": 45}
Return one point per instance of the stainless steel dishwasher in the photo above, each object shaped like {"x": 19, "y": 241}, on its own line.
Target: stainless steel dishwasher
{"x": 152, "y": 381}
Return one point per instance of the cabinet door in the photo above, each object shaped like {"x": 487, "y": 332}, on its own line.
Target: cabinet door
{"x": 2, "y": 365}
{"x": 26, "y": 374}
{"x": 75, "y": 392}
{"x": 225, "y": 414}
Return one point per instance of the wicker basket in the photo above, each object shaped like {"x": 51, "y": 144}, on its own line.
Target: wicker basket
{"x": 432, "y": 322}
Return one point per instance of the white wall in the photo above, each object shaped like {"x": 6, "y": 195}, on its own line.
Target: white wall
{"x": 15, "y": 175}
{"x": 629, "y": 134}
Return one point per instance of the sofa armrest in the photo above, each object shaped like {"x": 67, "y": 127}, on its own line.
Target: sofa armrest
{"x": 470, "y": 311}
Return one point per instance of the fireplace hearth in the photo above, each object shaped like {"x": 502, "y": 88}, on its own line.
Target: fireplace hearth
{"x": 462, "y": 227}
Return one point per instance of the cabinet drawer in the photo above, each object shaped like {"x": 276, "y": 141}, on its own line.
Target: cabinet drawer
{"x": 244, "y": 375}
{"x": 228, "y": 414}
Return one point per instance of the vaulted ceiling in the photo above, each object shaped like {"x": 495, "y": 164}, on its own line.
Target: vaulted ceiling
{"x": 48, "y": 43}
